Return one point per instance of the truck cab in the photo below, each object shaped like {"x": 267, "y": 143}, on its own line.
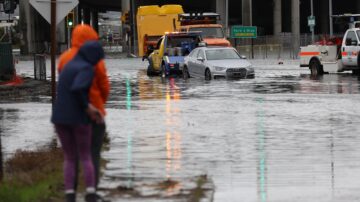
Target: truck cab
{"x": 350, "y": 49}
{"x": 205, "y": 23}
{"x": 213, "y": 34}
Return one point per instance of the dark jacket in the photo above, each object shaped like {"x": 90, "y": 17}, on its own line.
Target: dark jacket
{"x": 74, "y": 84}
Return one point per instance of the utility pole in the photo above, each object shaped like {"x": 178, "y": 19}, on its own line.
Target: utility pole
{"x": 227, "y": 16}
{"x": 133, "y": 25}
{"x": 331, "y": 19}
{"x": 53, "y": 49}
{"x": 312, "y": 28}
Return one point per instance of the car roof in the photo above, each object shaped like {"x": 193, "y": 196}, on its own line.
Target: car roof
{"x": 215, "y": 47}
{"x": 354, "y": 29}
{"x": 194, "y": 33}
{"x": 201, "y": 26}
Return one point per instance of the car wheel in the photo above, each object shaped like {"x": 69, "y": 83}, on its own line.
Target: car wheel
{"x": 163, "y": 70}
{"x": 185, "y": 73}
{"x": 150, "y": 71}
{"x": 207, "y": 75}
{"x": 315, "y": 68}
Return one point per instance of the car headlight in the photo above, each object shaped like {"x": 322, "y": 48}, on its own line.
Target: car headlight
{"x": 220, "y": 68}
{"x": 250, "y": 69}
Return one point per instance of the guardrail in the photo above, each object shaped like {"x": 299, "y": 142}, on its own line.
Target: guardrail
{"x": 273, "y": 47}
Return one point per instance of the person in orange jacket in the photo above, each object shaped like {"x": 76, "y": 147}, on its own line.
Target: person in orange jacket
{"x": 99, "y": 90}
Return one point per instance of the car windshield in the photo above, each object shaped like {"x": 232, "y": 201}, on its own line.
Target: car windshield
{"x": 358, "y": 33}
{"x": 209, "y": 32}
{"x": 178, "y": 41}
{"x": 221, "y": 54}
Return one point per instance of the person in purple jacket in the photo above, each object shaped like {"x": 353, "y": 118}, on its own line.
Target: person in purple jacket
{"x": 71, "y": 116}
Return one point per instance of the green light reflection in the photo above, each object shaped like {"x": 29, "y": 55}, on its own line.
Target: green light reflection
{"x": 129, "y": 136}
{"x": 262, "y": 152}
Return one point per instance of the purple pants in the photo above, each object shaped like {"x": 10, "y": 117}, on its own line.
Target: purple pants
{"x": 76, "y": 141}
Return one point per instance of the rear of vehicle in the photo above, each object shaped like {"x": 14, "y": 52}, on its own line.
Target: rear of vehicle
{"x": 168, "y": 58}
{"x": 176, "y": 47}
{"x": 350, "y": 50}
{"x": 148, "y": 31}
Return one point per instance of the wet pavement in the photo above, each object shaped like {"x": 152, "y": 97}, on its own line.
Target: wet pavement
{"x": 282, "y": 136}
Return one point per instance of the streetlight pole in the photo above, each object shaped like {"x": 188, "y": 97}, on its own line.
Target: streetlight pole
{"x": 312, "y": 28}
{"x": 53, "y": 50}
{"x": 330, "y": 18}
{"x": 227, "y": 15}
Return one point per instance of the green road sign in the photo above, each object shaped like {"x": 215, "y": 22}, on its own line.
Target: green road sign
{"x": 311, "y": 21}
{"x": 243, "y": 32}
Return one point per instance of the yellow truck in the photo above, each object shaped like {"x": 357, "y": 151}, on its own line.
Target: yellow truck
{"x": 152, "y": 23}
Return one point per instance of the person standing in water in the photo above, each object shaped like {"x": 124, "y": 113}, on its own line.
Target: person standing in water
{"x": 72, "y": 114}
{"x": 99, "y": 90}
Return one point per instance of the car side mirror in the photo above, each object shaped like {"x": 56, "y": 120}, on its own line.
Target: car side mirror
{"x": 202, "y": 44}
{"x": 200, "y": 59}
{"x": 243, "y": 57}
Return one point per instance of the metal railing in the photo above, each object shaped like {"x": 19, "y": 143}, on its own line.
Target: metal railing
{"x": 112, "y": 46}
{"x": 273, "y": 47}
{"x": 40, "y": 67}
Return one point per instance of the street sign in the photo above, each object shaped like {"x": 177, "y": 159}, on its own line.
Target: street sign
{"x": 311, "y": 21}
{"x": 243, "y": 32}
{"x": 62, "y": 9}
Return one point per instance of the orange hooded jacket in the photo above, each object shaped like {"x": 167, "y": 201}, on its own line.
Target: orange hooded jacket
{"x": 100, "y": 88}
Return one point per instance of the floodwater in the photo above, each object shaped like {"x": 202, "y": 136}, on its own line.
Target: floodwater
{"x": 280, "y": 137}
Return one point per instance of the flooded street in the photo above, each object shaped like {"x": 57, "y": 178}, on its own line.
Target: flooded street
{"x": 282, "y": 136}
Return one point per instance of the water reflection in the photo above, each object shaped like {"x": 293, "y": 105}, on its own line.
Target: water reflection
{"x": 330, "y": 83}
{"x": 262, "y": 179}
{"x": 332, "y": 164}
{"x": 305, "y": 83}
{"x": 7, "y": 116}
{"x": 150, "y": 89}
{"x": 173, "y": 137}
{"x": 1, "y": 152}
{"x": 129, "y": 134}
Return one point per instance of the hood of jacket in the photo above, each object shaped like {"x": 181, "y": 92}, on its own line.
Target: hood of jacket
{"x": 83, "y": 33}
{"x": 92, "y": 52}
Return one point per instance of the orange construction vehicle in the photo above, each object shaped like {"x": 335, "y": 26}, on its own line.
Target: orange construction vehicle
{"x": 212, "y": 32}
{"x": 152, "y": 23}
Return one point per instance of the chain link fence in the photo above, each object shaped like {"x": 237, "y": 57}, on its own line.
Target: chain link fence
{"x": 273, "y": 47}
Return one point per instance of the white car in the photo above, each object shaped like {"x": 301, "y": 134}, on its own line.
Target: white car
{"x": 217, "y": 62}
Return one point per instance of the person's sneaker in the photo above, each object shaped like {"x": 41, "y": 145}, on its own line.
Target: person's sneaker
{"x": 70, "y": 197}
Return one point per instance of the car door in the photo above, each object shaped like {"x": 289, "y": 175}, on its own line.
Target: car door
{"x": 157, "y": 55}
{"x": 200, "y": 64}
{"x": 191, "y": 62}
{"x": 350, "y": 49}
